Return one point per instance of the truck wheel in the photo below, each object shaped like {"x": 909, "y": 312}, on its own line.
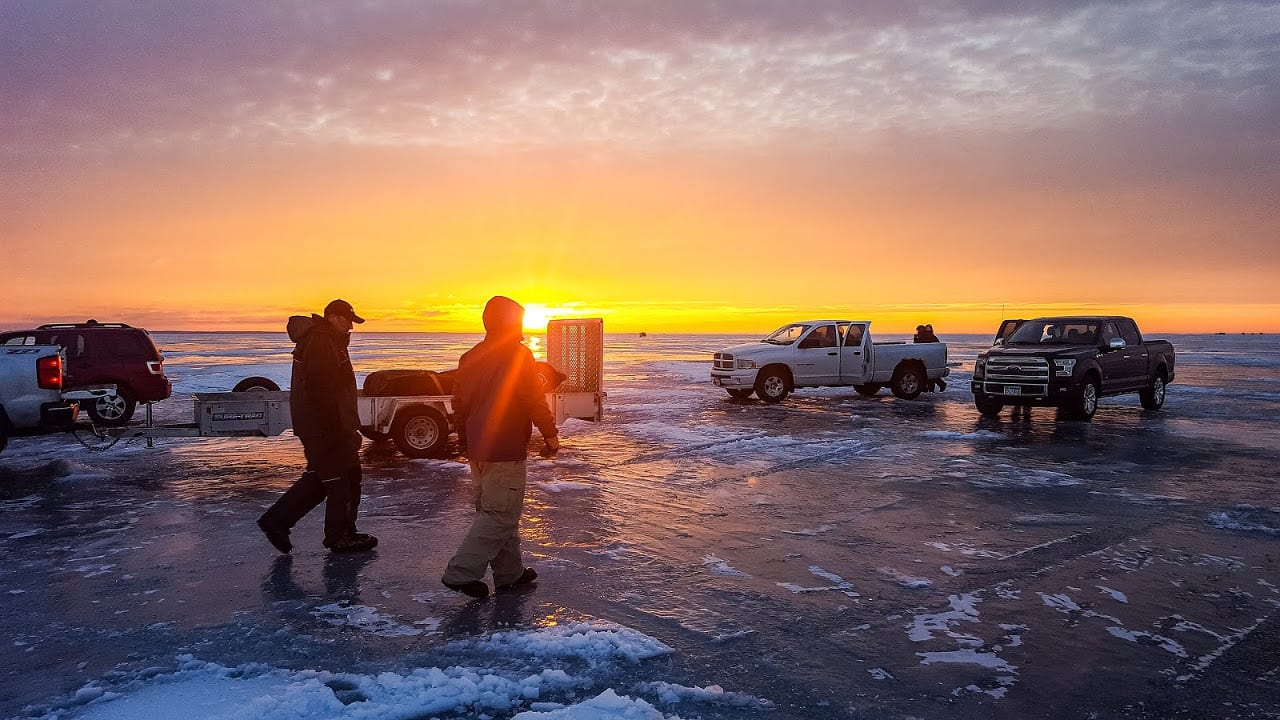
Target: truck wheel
{"x": 907, "y": 382}
{"x": 738, "y": 393}
{"x": 771, "y": 386}
{"x": 1086, "y": 400}
{"x": 1153, "y": 397}
{"x": 987, "y": 405}
{"x": 420, "y": 432}
{"x": 256, "y": 384}
{"x": 374, "y": 435}
{"x": 868, "y": 390}
{"x": 112, "y": 410}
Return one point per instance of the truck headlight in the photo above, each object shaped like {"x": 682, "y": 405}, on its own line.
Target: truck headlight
{"x": 979, "y": 367}
{"x": 1065, "y": 367}
{"x": 743, "y": 364}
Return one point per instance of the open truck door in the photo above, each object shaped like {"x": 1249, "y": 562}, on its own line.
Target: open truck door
{"x": 1007, "y": 328}
{"x": 575, "y": 347}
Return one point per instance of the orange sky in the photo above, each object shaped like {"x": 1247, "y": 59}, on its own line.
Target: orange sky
{"x": 675, "y": 170}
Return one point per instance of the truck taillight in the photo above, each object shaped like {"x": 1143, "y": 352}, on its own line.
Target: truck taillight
{"x": 156, "y": 367}
{"x": 49, "y": 372}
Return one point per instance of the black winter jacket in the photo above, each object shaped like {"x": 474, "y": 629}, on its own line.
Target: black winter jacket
{"x": 322, "y": 387}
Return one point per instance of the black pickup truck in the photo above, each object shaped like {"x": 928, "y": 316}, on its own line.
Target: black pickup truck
{"x": 1071, "y": 362}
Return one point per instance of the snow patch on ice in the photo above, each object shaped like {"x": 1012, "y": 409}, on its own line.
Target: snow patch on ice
{"x": 841, "y": 585}
{"x": 721, "y": 567}
{"x": 1145, "y": 638}
{"x": 1010, "y": 476}
{"x": 1119, "y": 596}
{"x": 557, "y": 486}
{"x": 201, "y": 690}
{"x": 952, "y": 435}
{"x": 669, "y": 694}
{"x": 910, "y": 582}
{"x": 364, "y": 618}
{"x": 964, "y": 608}
{"x": 1248, "y": 518}
{"x": 968, "y": 656}
{"x": 71, "y": 471}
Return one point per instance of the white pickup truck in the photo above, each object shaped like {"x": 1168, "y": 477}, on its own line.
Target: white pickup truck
{"x": 837, "y": 353}
{"x": 31, "y": 396}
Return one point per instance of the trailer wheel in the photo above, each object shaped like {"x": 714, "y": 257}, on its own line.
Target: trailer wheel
{"x": 374, "y": 435}
{"x": 420, "y": 432}
{"x": 255, "y": 384}
{"x": 908, "y": 382}
{"x": 868, "y": 390}
{"x": 112, "y": 410}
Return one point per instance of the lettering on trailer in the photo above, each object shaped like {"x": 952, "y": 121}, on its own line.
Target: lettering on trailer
{"x": 218, "y": 417}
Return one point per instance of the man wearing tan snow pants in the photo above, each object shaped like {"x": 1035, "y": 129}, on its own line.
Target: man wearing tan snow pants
{"x": 497, "y": 399}
{"x": 494, "y": 537}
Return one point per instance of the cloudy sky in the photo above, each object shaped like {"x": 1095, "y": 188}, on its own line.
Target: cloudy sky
{"x": 698, "y": 166}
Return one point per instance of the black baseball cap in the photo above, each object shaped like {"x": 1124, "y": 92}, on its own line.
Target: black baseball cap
{"x": 342, "y": 308}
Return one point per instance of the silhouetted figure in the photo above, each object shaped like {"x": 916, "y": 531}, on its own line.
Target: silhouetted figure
{"x": 322, "y": 402}
{"x": 924, "y": 334}
{"x": 497, "y": 398}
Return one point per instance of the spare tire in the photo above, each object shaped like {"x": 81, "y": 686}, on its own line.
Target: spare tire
{"x": 256, "y": 384}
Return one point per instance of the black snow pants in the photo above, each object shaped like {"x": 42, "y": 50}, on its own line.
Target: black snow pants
{"x": 333, "y": 477}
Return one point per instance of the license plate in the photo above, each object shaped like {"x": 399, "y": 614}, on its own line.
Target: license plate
{"x": 1012, "y": 390}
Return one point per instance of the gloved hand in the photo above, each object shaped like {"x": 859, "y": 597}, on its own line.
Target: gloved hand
{"x": 551, "y": 447}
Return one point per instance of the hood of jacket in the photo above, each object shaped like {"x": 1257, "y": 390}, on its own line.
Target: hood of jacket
{"x": 301, "y": 327}
{"x": 503, "y": 319}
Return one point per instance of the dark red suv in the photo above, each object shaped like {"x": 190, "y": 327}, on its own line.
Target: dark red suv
{"x": 100, "y": 354}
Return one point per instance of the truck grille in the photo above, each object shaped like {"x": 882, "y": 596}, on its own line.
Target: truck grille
{"x": 1029, "y": 374}
{"x": 722, "y": 361}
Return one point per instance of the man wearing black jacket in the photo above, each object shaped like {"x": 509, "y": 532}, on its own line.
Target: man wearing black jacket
{"x": 322, "y": 402}
{"x": 497, "y": 397}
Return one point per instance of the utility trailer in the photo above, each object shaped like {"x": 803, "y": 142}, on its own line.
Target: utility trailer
{"x": 419, "y": 425}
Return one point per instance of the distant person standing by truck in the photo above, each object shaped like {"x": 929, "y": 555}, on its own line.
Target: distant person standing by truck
{"x": 924, "y": 334}
{"x": 322, "y": 401}
{"x": 497, "y": 398}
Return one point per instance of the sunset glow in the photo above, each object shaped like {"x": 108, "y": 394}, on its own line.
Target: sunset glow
{"x": 671, "y": 167}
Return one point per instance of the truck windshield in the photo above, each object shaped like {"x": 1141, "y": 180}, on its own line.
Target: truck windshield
{"x": 786, "y": 334}
{"x": 1056, "y": 332}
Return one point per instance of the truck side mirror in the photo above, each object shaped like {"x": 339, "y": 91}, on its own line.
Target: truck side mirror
{"x": 1115, "y": 343}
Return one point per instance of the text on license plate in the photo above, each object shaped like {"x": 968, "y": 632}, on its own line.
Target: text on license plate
{"x": 1012, "y": 390}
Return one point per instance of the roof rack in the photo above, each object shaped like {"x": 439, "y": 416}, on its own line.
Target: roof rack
{"x": 91, "y": 323}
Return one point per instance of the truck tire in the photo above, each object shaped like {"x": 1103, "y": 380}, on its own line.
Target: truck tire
{"x": 1085, "y": 402}
{"x": 868, "y": 390}
{"x": 1152, "y": 397}
{"x": 420, "y": 432}
{"x": 772, "y": 385}
{"x": 739, "y": 393}
{"x": 374, "y": 435}
{"x": 987, "y": 405}
{"x": 112, "y": 410}
{"x": 256, "y": 384}
{"x": 908, "y": 382}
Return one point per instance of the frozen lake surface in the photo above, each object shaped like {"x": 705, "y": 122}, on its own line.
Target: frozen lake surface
{"x": 833, "y": 556}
